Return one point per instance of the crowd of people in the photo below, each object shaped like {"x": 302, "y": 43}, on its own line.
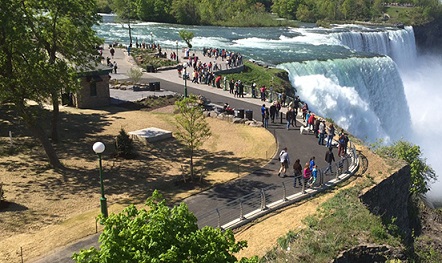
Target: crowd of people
{"x": 297, "y": 113}
{"x": 307, "y": 175}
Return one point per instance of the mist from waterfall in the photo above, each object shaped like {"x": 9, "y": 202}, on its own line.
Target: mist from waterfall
{"x": 421, "y": 77}
{"x": 365, "y": 96}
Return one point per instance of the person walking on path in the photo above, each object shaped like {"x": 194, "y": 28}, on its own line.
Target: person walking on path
{"x": 263, "y": 112}
{"x": 289, "y": 117}
{"x": 296, "y": 105}
{"x": 231, "y": 86}
{"x": 273, "y": 111}
{"x": 112, "y": 52}
{"x": 321, "y": 131}
{"x": 312, "y": 180}
{"x": 284, "y": 160}
{"x": 115, "y": 67}
{"x": 266, "y": 118}
{"x": 306, "y": 176}
{"x": 263, "y": 93}
{"x": 297, "y": 172}
{"x": 329, "y": 158}
{"x": 254, "y": 90}
{"x": 331, "y": 134}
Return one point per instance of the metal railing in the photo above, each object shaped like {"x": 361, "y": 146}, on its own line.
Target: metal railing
{"x": 261, "y": 201}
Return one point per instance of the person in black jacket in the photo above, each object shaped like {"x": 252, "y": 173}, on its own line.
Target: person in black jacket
{"x": 273, "y": 112}
{"x": 329, "y": 158}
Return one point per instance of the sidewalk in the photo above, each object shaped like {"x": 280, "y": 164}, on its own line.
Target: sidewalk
{"x": 203, "y": 205}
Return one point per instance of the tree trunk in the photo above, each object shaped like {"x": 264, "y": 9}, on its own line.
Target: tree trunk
{"x": 39, "y": 133}
{"x": 55, "y": 117}
{"x": 191, "y": 165}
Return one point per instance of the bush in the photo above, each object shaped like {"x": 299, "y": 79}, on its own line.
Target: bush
{"x": 124, "y": 145}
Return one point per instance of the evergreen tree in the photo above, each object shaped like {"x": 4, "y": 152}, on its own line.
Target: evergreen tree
{"x": 124, "y": 145}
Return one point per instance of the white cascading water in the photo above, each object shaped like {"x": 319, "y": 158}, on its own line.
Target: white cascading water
{"x": 421, "y": 79}
{"x": 363, "y": 95}
{"x": 397, "y": 44}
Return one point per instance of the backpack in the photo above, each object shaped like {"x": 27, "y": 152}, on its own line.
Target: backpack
{"x": 342, "y": 140}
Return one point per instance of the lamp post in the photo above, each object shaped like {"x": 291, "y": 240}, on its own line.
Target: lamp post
{"x": 98, "y": 148}
{"x": 185, "y": 79}
{"x": 176, "y": 51}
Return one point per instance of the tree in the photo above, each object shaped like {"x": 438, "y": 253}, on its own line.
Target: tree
{"x": 125, "y": 10}
{"x": 161, "y": 234}
{"x": 193, "y": 129}
{"x": 421, "y": 173}
{"x": 187, "y": 36}
{"x": 124, "y": 145}
{"x": 40, "y": 43}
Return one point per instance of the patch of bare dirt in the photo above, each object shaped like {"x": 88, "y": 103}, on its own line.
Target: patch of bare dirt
{"x": 50, "y": 209}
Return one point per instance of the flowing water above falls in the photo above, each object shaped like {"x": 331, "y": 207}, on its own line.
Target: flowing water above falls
{"x": 367, "y": 79}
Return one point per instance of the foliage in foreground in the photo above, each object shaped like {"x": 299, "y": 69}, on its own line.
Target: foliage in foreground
{"x": 340, "y": 223}
{"x": 421, "y": 173}
{"x": 161, "y": 234}
{"x": 192, "y": 127}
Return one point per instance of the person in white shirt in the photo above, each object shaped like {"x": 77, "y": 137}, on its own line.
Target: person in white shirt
{"x": 284, "y": 160}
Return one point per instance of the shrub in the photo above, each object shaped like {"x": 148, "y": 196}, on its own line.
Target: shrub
{"x": 124, "y": 145}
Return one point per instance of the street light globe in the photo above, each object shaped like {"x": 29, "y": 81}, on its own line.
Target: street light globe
{"x": 98, "y": 147}
{"x": 185, "y": 65}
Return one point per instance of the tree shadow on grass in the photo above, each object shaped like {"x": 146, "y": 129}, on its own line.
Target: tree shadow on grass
{"x": 6, "y": 206}
{"x": 135, "y": 179}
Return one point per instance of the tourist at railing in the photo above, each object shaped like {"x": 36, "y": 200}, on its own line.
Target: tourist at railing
{"x": 306, "y": 176}
{"x": 330, "y": 135}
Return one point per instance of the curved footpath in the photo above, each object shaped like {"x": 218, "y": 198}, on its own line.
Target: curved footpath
{"x": 224, "y": 196}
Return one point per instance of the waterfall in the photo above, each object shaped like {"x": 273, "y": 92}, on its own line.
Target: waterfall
{"x": 399, "y": 44}
{"x": 363, "y": 95}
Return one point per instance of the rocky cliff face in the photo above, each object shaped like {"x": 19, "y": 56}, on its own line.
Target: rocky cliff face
{"x": 429, "y": 37}
{"x": 389, "y": 199}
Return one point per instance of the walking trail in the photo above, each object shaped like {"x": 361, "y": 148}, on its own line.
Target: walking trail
{"x": 224, "y": 196}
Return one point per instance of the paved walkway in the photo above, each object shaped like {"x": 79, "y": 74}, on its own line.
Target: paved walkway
{"x": 203, "y": 205}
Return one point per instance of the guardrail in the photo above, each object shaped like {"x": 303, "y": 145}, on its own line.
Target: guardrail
{"x": 262, "y": 201}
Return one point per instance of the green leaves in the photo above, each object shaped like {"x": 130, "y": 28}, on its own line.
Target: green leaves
{"x": 160, "y": 234}
{"x": 421, "y": 173}
{"x": 187, "y": 36}
{"x": 193, "y": 129}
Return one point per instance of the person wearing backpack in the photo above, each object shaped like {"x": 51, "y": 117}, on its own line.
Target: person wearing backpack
{"x": 284, "y": 160}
